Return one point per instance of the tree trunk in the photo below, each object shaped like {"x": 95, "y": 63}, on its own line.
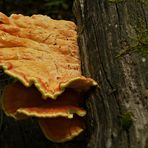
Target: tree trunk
{"x": 118, "y": 108}
{"x": 117, "y": 111}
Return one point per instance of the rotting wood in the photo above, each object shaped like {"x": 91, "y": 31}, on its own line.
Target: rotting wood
{"x": 117, "y": 113}
{"x": 104, "y": 29}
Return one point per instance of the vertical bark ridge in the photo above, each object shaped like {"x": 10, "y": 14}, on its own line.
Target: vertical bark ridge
{"x": 107, "y": 30}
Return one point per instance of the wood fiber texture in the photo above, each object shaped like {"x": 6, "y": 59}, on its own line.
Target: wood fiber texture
{"x": 105, "y": 29}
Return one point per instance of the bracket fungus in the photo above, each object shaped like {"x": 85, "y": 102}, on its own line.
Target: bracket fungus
{"x": 43, "y": 56}
{"x": 68, "y": 129}
{"x": 28, "y": 102}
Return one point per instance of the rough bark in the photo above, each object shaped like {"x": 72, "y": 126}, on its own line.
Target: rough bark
{"x": 118, "y": 110}
{"x": 105, "y": 28}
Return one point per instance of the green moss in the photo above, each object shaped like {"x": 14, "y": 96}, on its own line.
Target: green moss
{"x": 140, "y": 41}
{"x": 126, "y": 120}
{"x": 115, "y": 1}
{"x": 144, "y": 1}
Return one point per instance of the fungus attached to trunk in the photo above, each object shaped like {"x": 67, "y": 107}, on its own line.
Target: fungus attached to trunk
{"x": 20, "y": 101}
{"x": 56, "y": 117}
{"x": 61, "y": 129}
{"x": 41, "y": 51}
{"x": 42, "y": 55}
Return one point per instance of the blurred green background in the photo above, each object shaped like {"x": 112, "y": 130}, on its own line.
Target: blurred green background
{"x": 57, "y": 9}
